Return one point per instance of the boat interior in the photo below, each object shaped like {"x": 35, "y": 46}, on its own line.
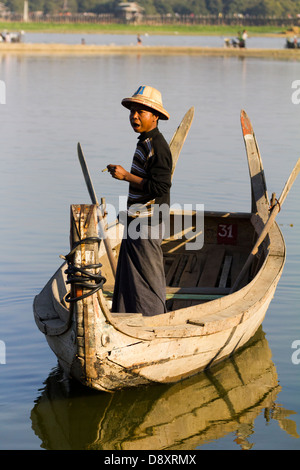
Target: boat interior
{"x": 208, "y": 271}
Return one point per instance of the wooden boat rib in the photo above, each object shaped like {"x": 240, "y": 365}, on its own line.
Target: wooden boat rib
{"x": 206, "y": 321}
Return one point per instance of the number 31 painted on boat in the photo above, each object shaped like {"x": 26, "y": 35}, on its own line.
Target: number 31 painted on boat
{"x": 227, "y": 234}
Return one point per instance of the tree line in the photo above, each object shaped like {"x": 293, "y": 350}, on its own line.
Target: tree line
{"x": 284, "y": 8}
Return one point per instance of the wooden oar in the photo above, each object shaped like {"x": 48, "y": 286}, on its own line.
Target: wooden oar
{"x": 180, "y": 135}
{"x": 90, "y": 187}
{"x": 86, "y": 175}
{"x": 269, "y": 224}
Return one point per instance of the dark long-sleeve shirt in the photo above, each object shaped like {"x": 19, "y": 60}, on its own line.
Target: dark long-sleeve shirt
{"x": 152, "y": 161}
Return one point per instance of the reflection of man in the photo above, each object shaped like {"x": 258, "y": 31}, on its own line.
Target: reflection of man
{"x": 140, "y": 279}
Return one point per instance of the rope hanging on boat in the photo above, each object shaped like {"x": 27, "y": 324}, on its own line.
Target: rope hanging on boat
{"x": 277, "y": 204}
{"x": 274, "y": 202}
{"x": 86, "y": 280}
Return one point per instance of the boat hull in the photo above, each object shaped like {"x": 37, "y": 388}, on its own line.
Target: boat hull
{"x": 115, "y": 351}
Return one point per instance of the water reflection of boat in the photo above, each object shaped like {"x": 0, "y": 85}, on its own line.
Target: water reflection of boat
{"x": 226, "y": 399}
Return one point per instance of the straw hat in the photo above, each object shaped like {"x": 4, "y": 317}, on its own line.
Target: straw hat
{"x": 149, "y": 97}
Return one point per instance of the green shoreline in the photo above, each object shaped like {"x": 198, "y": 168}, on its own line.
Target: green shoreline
{"x": 97, "y": 28}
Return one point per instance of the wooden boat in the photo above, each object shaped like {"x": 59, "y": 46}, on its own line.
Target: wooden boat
{"x": 217, "y": 295}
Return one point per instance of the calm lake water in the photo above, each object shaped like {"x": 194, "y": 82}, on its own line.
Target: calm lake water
{"x": 151, "y": 40}
{"x": 251, "y": 401}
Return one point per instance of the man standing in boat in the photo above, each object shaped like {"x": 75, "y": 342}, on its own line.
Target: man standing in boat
{"x": 140, "y": 279}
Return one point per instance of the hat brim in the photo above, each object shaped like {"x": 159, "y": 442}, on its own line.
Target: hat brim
{"x": 163, "y": 114}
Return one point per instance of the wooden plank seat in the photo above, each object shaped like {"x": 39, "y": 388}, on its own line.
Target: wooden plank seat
{"x": 208, "y": 272}
{"x": 197, "y": 277}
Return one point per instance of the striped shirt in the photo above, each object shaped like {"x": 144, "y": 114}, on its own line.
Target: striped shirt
{"x": 152, "y": 161}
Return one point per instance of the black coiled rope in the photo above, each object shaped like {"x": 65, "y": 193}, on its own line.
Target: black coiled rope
{"x": 87, "y": 280}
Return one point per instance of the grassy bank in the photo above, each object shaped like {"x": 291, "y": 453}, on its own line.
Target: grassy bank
{"x": 86, "y": 28}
